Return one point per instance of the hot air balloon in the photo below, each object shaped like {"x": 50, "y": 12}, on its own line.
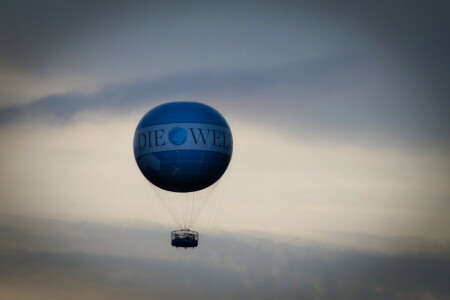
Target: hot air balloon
{"x": 183, "y": 149}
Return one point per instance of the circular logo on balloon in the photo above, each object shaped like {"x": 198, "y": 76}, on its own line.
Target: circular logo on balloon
{"x": 177, "y": 136}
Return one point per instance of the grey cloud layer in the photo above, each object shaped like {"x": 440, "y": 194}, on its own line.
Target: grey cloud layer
{"x": 116, "y": 97}
{"x": 93, "y": 260}
{"x": 241, "y": 51}
{"x": 31, "y": 32}
{"x": 313, "y": 97}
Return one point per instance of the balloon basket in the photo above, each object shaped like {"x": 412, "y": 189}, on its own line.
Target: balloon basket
{"x": 184, "y": 238}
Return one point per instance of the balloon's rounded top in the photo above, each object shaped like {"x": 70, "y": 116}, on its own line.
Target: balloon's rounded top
{"x": 182, "y": 112}
{"x": 183, "y": 146}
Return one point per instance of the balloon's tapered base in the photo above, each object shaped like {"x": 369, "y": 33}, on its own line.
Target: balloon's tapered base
{"x": 184, "y": 238}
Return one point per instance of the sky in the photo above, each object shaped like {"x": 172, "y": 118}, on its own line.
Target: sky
{"x": 338, "y": 185}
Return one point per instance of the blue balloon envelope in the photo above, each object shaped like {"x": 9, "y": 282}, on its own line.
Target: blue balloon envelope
{"x": 183, "y": 146}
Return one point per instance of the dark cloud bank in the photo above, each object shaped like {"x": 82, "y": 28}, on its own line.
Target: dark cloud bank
{"x": 56, "y": 259}
{"x": 304, "y": 98}
{"x": 188, "y": 85}
{"x": 304, "y": 95}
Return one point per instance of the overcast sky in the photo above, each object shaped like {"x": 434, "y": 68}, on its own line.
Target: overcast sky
{"x": 338, "y": 186}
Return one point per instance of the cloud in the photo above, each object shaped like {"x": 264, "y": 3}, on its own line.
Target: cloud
{"x": 117, "y": 97}
{"x": 331, "y": 97}
{"x": 239, "y": 53}
{"x": 87, "y": 169}
{"x": 96, "y": 42}
{"x": 98, "y": 261}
